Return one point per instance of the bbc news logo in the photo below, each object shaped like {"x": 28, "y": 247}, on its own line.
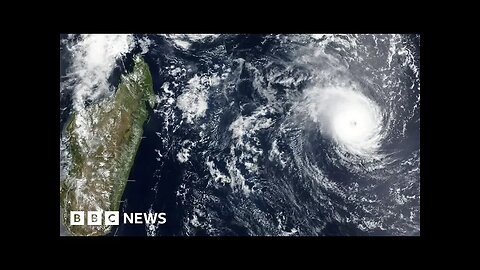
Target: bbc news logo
{"x": 113, "y": 218}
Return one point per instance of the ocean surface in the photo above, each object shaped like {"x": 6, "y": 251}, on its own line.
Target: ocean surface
{"x": 281, "y": 135}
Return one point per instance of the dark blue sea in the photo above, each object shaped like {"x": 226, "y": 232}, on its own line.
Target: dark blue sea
{"x": 258, "y": 163}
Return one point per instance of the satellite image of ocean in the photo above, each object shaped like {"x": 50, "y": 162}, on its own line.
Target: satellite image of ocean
{"x": 242, "y": 134}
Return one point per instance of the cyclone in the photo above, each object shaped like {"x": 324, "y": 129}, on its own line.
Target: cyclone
{"x": 349, "y": 118}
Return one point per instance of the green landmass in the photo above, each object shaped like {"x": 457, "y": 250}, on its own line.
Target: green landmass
{"x": 102, "y": 146}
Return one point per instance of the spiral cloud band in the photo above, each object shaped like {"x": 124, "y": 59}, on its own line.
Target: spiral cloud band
{"x": 348, "y": 117}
